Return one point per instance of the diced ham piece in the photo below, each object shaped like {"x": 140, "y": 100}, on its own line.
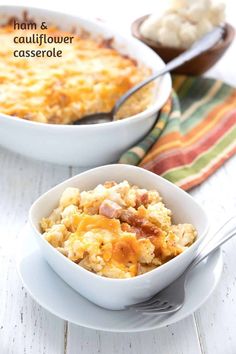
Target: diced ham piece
{"x": 141, "y": 199}
{"x": 144, "y": 198}
{"x": 110, "y": 184}
{"x": 110, "y": 209}
{"x": 146, "y": 227}
{"x": 132, "y": 223}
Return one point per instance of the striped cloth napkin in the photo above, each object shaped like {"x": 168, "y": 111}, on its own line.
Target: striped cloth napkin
{"x": 194, "y": 134}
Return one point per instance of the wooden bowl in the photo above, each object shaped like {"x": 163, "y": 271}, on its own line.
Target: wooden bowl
{"x": 196, "y": 66}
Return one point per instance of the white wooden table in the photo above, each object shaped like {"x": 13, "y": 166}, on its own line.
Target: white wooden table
{"x": 27, "y": 328}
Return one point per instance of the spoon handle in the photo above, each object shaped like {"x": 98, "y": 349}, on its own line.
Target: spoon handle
{"x": 199, "y": 47}
{"x": 214, "y": 244}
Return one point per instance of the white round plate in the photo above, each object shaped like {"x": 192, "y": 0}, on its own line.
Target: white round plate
{"x": 52, "y": 293}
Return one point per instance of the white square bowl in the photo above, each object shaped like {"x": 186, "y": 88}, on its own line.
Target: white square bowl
{"x": 117, "y": 293}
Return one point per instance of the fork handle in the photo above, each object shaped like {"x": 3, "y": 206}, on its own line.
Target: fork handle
{"x": 216, "y": 244}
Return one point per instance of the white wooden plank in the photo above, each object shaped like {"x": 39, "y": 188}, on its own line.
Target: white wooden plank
{"x": 216, "y": 320}
{"x": 179, "y": 338}
{"x": 24, "y": 326}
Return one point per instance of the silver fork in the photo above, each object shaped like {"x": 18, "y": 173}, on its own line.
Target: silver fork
{"x": 172, "y": 297}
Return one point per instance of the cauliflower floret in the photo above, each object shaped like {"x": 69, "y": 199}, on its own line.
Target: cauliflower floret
{"x": 168, "y": 38}
{"x": 121, "y": 187}
{"x": 156, "y": 261}
{"x": 119, "y": 192}
{"x": 109, "y": 184}
{"x": 69, "y": 211}
{"x": 91, "y": 200}
{"x": 144, "y": 268}
{"x": 116, "y": 197}
{"x": 68, "y": 215}
{"x": 188, "y": 34}
{"x": 54, "y": 218}
{"x": 70, "y": 196}
{"x": 75, "y": 249}
{"x": 130, "y": 198}
{"x": 196, "y": 12}
{"x": 217, "y": 13}
{"x": 203, "y": 27}
{"x": 89, "y": 242}
{"x": 136, "y": 197}
{"x": 146, "y": 251}
{"x": 150, "y": 27}
{"x": 185, "y": 234}
{"x": 159, "y": 214}
{"x": 56, "y": 235}
{"x": 180, "y": 4}
{"x": 94, "y": 264}
{"x": 172, "y": 21}
{"x": 154, "y": 197}
{"x": 113, "y": 270}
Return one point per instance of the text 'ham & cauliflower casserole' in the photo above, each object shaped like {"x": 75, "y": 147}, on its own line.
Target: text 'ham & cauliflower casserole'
{"x": 116, "y": 230}
{"x": 89, "y": 77}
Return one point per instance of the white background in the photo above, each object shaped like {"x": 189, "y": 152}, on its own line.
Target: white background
{"x": 27, "y": 328}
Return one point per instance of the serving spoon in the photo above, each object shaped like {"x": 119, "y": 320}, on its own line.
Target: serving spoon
{"x": 200, "y": 46}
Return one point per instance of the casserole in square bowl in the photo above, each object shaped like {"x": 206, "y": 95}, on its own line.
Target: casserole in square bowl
{"x": 98, "y": 287}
